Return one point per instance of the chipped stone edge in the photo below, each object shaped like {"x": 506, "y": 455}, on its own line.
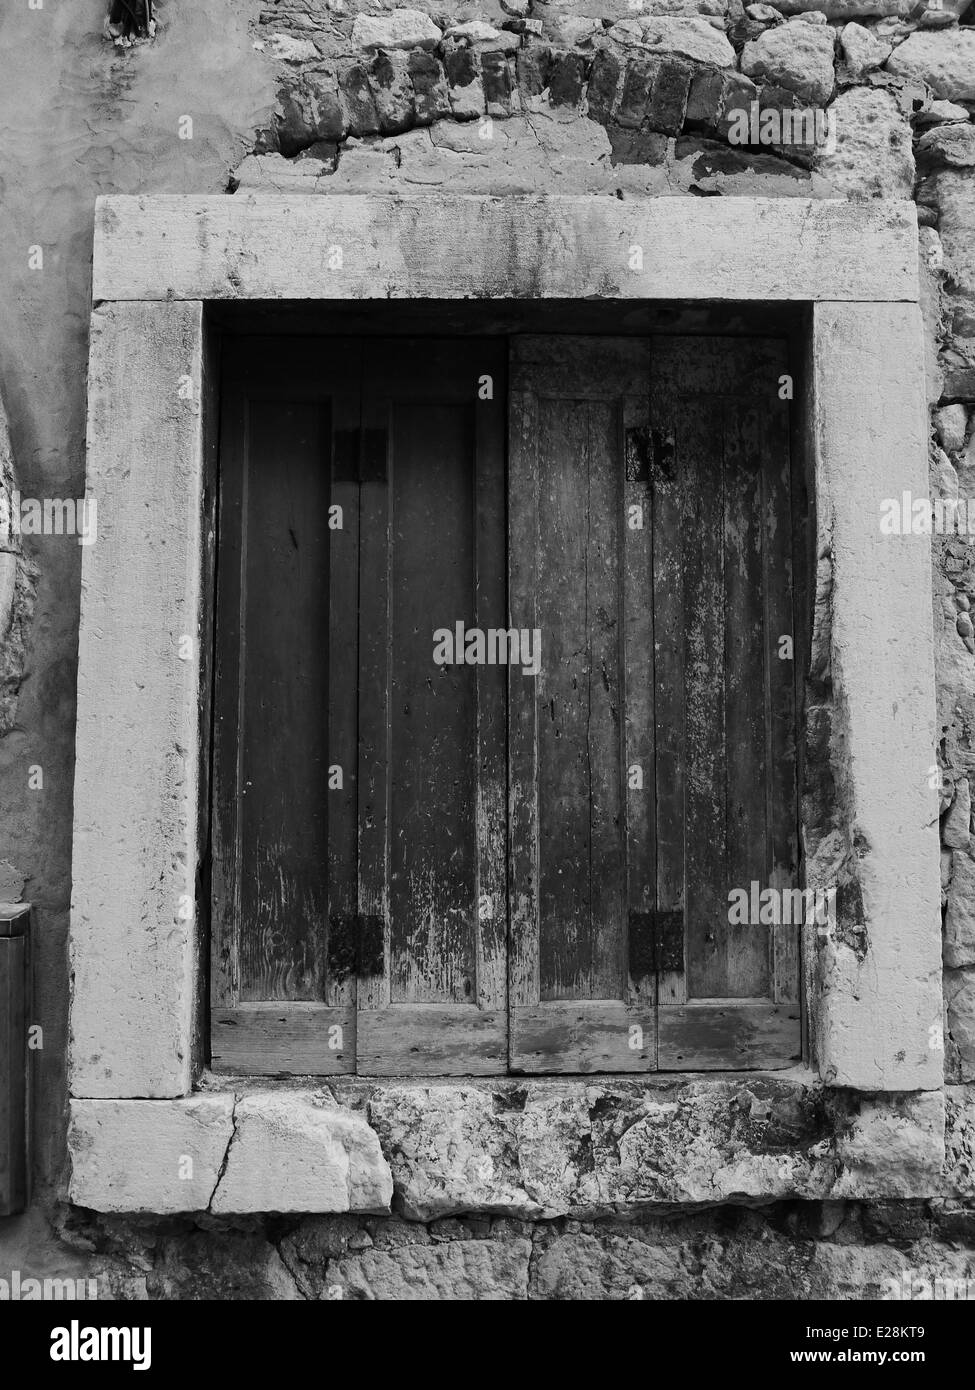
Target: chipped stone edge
{"x": 101, "y": 1172}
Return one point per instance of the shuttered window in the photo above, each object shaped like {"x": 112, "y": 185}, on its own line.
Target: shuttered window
{"x": 502, "y": 710}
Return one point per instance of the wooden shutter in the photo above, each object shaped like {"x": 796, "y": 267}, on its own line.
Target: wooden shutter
{"x": 727, "y": 810}
{"x": 283, "y": 942}
{"x": 431, "y": 996}
{"x": 581, "y": 982}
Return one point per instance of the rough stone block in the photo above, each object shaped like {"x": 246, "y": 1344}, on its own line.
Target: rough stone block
{"x": 959, "y": 940}
{"x": 401, "y": 29}
{"x": 466, "y": 89}
{"x": 895, "y": 1145}
{"x": 469, "y": 1270}
{"x": 944, "y": 60}
{"x": 873, "y": 155}
{"x": 692, "y": 38}
{"x": 532, "y": 66}
{"x": 361, "y": 117}
{"x": 567, "y": 78}
{"x": 604, "y": 83}
{"x": 392, "y": 92}
{"x": 637, "y": 86}
{"x": 497, "y": 78}
{"x": 862, "y": 51}
{"x": 293, "y": 1153}
{"x": 636, "y": 146}
{"x": 148, "y": 1155}
{"x": 952, "y": 144}
{"x": 668, "y": 100}
{"x": 431, "y": 99}
{"x": 959, "y": 988}
{"x": 796, "y": 56}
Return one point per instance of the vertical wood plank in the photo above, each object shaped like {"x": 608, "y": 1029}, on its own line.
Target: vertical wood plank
{"x": 705, "y": 748}
{"x": 747, "y": 945}
{"x": 604, "y": 740}
{"x": 437, "y": 966}
{"x": 781, "y": 527}
{"x": 636, "y": 524}
{"x": 373, "y": 990}
{"x": 523, "y": 704}
{"x": 564, "y": 586}
{"x": 669, "y": 707}
{"x": 284, "y": 702}
{"x": 343, "y": 666}
{"x": 490, "y": 423}
{"x": 432, "y": 798}
{"x": 573, "y": 1007}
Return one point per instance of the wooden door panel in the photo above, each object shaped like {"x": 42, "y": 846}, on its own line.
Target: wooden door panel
{"x": 574, "y": 1006}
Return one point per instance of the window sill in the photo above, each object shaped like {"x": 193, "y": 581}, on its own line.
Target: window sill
{"x": 582, "y": 1147}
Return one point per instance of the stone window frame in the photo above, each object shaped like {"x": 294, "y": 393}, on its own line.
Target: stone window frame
{"x": 874, "y": 1003}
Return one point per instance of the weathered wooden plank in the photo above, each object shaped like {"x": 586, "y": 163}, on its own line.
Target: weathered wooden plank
{"x": 669, "y": 787}
{"x": 712, "y": 397}
{"x": 431, "y": 1040}
{"x": 444, "y": 773}
{"x": 433, "y": 847}
{"x": 639, "y": 769}
{"x": 274, "y": 847}
{"x": 605, "y": 721}
{"x": 747, "y": 946}
{"x": 283, "y": 1039}
{"x": 732, "y": 1035}
{"x": 700, "y": 440}
{"x": 361, "y": 246}
{"x": 783, "y": 531}
{"x": 523, "y": 527}
{"x": 372, "y": 990}
{"x": 490, "y": 426}
{"x": 582, "y": 1035}
{"x": 283, "y": 753}
{"x": 343, "y": 664}
{"x": 573, "y": 399}
{"x": 566, "y": 966}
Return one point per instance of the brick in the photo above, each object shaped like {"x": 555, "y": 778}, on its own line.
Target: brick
{"x": 498, "y": 85}
{"x": 668, "y": 100}
{"x": 604, "y": 81}
{"x": 392, "y": 92}
{"x": 567, "y": 78}
{"x": 959, "y": 384}
{"x": 532, "y": 65}
{"x": 636, "y": 146}
{"x": 430, "y": 96}
{"x": 637, "y": 86}
{"x": 357, "y": 100}
{"x": 465, "y": 88}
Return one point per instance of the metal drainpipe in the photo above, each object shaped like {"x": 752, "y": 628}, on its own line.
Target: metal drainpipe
{"x": 15, "y": 1057}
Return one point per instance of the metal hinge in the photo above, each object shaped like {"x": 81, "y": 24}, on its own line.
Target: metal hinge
{"x": 356, "y": 944}
{"x": 656, "y": 941}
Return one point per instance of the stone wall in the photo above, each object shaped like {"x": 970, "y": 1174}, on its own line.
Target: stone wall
{"x": 522, "y": 96}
